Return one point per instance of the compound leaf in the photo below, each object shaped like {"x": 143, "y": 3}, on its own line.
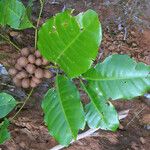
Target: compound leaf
{"x": 4, "y": 134}
{"x": 119, "y": 77}
{"x": 7, "y": 104}
{"x": 14, "y": 14}
{"x": 63, "y": 110}
{"x": 71, "y": 41}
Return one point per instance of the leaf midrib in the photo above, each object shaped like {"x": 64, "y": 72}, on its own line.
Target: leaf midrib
{"x": 114, "y": 79}
{"x": 10, "y": 101}
{"x": 14, "y": 12}
{"x": 59, "y": 98}
{"x": 7, "y": 104}
{"x": 73, "y": 41}
{"x": 69, "y": 45}
{"x": 93, "y": 103}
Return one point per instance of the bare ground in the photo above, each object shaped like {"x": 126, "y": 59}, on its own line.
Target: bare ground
{"x": 28, "y": 130}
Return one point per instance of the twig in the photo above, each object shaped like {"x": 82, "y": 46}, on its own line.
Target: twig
{"x": 10, "y": 42}
{"x": 8, "y": 85}
{"x": 100, "y": 54}
{"x": 135, "y": 116}
{"x": 54, "y": 67}
{"x": 125, "y": 34}
{"x": 38, "y": 22}
{"x": 54, "y": 2}
{"x": 28, "y": 97}
{"x": 122, "y": 115}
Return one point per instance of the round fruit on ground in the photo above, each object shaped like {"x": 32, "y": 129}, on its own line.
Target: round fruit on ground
{"x": 22, "y": 61}
{"x": 12, "y": 71}
{"x": 30, "y": 68}
{"x": 25, "y": 52}
{"x": 25, "y": 83}
{"x": 31, "y": 59}
{"x": 39, "y": 73}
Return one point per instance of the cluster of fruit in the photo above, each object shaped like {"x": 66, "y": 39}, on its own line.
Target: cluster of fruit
{"x": 29, "y": 69}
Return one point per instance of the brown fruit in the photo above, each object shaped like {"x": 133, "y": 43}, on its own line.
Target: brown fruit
{"x": 22, "y": 61}
{"x": 18, "y": 76}
{"x": 30, "y": 68}
{"x": 36, "y": 80}
{"x": 47, "y": 74}
{"x": 12, "y": 71}
{"x": 44, "y": 61}
{"x": 25, "y": 83}
{"x": 17, "y": 81}
{"x": 21, "y": 75}
{"x": 39, "y": 73}
{"x": 33, "y": 84}
{"x": 37, "y": 54}
{"x": 38, "y": 62}
{"x": 18, "y": 67}
{"x": 25, "y": 51}
{"x": 31, "y": 59}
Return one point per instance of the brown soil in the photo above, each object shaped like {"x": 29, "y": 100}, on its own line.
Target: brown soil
{"x": 28, "y": 131}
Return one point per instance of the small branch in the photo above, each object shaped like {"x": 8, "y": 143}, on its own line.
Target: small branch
{"x": 28, "y": 97}
{"x": 125, "y": 34}
{"x": 8, "y": 85}
{"x": 54, "y": 2}
{"x": 137, "y": 114}
{"x": 19, "y": 102}
{"x": 10, "y": 42}
{"x": 122, "y": 115}
{"x": 54, "y": 67}
{"x": 38, "y": 21}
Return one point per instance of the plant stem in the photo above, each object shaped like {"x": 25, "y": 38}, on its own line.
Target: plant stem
{"x": 135, "y": 116}
{"x": 38, "y": 21}
{"x": 8, "y": 85}
{"x": 49, "y": 67}
{"x": 28, "y": 97}
{"x": 19, "y": 102}
{"x": 10, "y": 42}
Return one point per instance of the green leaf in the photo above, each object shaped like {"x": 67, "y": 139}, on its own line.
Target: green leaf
{"x": 29, "y": 8}
{"x": 118, "y": 77}
{"x": 100, "y": 112}
{"x": 4, "y": 134}
{"x": 13, "y": 13}
{"x": 63, "y": 110}
{"x": 7, "y": 104}
{"x": 71, "y": 42}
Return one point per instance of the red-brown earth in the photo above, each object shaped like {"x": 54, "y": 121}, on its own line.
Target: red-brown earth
{"x": 28, "y": 131}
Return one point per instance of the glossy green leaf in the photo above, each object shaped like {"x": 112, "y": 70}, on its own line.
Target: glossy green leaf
{"x": 71, "y": 42}
{"x": 118, "y": 77}
{"x": 13, "y": 13}
{"x": 29, "y": 8}
{"x": 7, "y": 104}
{"x": 63, "y": 110}
{"x": 4, "y": 133}
{"x": 100, "y": 113}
